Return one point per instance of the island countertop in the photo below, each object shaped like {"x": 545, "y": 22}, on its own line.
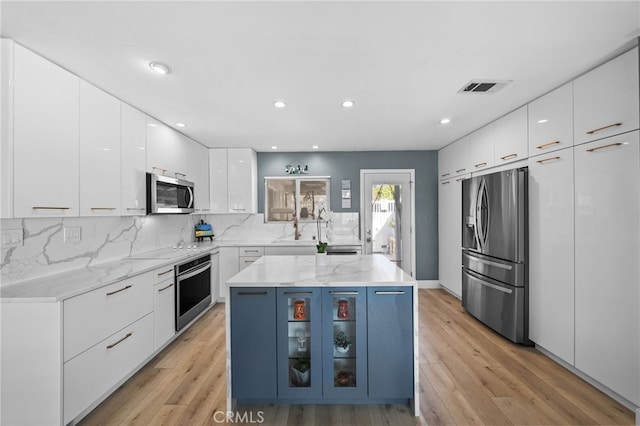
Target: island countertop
{"x": 306, "y": 271}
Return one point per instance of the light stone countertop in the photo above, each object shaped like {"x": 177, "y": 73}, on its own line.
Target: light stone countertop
{"x": 304, "y": 271}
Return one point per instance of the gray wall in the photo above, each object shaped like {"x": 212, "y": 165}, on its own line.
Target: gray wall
{"x": 347, "y": 165}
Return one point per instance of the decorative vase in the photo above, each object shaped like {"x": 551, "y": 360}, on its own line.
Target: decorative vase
{"x": 299, "y": 379}
{"x": 343, "y": 378}
{"x": 299, "y": 311}
{"x": 321, "y": 259}
{"x": 343, "y": 309}
{"x": 343, "y": 350}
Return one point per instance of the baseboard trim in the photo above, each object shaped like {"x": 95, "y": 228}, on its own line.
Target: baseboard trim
{"x": 428, "y": 284}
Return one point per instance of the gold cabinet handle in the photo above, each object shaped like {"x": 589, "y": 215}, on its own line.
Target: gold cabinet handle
{"x": 165, "y": 272}
{"x": 181, "y": 174}
{"x": 590, "y": 132}
{"x": 120, "y": 341}
{"x": 604, "y": 146}
{"x": 159, "y": 168}
{"x": 445, "y": 183}
{"x": 118, "y": 291}
{"x": 461, "y": 170}
{"x": 164, "y": 288}
{"x": 50, "y": 208}
{"x": 477, "y": 166}
{"x": 544, "y": 160}
{"x": 545, "y": 145}
{"x": 508, "y": 156}
{"x": 445, "y": 174}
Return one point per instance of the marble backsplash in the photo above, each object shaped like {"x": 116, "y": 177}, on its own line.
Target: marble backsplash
{"x": 44, "y": 251}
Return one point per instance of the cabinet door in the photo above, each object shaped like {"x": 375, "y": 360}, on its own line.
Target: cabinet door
{"x": 199, "y": 156}
{"x": 133, "y": 164}
{"x": 445, "y": 162}
{"x": 218, "y": 180}
{"x": 390, "y": 337}
{"x": 481, "y": 147}
{"x": 228, "y": 267}
{"x": 606, "y": 99}
{"x": 241, "y": 183}
{"x": 215, "y": 278}
{"x": 99, "y": 152}
{"x": 550, "y": 121}
{"x": 6, "y": 129}
{"x": 46, "y": 150}
{"x": 450, "y": 234}
{"x": 159, "y": 141}
{"x": 164, "y": 312}
{"x": 607, "y": 253}
{"x": 299, "y": 343}
{"x": 551, "y": 259}
{"x": 182, "y": 165}
{"x": 253, "y": 343}
{"x": 511, "y": 142}
{"x": 344, "y": 345}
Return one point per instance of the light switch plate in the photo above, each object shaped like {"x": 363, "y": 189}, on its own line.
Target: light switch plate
{"x": 12, "y": 238}
{"x": 72, "y": 234}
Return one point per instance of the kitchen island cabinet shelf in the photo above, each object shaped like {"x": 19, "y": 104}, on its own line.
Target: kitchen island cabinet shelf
{"x": 299, "y": 333}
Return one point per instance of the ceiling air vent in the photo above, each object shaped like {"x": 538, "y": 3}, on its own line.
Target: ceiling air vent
{"x": 484, "y": 86}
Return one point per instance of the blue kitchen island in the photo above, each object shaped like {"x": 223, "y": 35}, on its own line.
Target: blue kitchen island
{"x": 322, "y": 330}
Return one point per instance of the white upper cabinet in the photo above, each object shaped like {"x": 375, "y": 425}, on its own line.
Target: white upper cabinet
{"x": 606, "y": 99}
{"x": 551, "y": 239}
{"x": 99, "y": 152}
{"x": 242, "y": 173}
{"x": 133, "y": 146}
{"x": 6, "y": 129}
{"x": 510, "y": 140}
{"x": 182, "y": 164}
{"x": 159, "y": 140}
{"x": 445, "y": 162}
{"x": 199, "y": 157}
{"x": 481, "y": 146}
{"x": 607, "y": 254}
{"x": 454, "y": 159}
{"x": 45, "y": 138}
{"x": 551, "y": 121}
{"x": 218, "y": 180}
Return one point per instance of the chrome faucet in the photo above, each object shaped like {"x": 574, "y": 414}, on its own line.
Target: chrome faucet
{"x": 296, "y": 234}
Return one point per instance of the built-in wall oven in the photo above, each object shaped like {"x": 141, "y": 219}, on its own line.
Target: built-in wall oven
{"x": 193, "y": 289}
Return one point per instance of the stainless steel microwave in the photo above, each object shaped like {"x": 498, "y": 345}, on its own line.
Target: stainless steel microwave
{"x": 167, "y": 195}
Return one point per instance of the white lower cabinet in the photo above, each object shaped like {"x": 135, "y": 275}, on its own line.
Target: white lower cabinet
{"x": 607, "y": 263}
{"x": 164, "y": 312}
{"x": 450, "y": 238}
{"x": 228, "y": 267}
{"x": 551, "y": 239}
{"x": 91, "y": 374}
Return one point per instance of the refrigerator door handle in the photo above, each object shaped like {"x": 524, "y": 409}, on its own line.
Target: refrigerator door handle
{"x": 487, "y": 284}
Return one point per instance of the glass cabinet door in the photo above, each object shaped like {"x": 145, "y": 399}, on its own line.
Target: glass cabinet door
{"x": 299, "y": 343}
{"x": 345, "y": 342}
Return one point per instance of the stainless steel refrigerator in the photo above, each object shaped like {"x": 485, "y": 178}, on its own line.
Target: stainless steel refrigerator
{"x": 494, "y": 251}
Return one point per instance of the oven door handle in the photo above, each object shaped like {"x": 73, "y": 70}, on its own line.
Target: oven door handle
{"x": 195, "y": 271}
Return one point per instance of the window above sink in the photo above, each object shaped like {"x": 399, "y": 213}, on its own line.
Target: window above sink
{"x": 303, "y": 196}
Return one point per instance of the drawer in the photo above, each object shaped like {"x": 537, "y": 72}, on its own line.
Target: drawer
{"x": 245, "y": 261}
{"x": 93, "y": 316}
{"x": 90, "y": 375}
{"x": 163, "y": 274}
{"x": 251, "y": 251}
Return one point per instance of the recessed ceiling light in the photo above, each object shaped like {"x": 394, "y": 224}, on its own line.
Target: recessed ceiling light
{"x": 181, "y": 125}
{"x": 274, "y": 147}
{"x": 160, "y": 68}
{"x": 279, "y": 104}
{"x": 347, "y": 104}
{"x": 315, "y": 147}
{"x": 544, "y": 120}
{"x": 445, "y": 121}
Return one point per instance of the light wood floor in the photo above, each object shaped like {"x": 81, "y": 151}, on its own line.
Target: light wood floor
{"x": 468, "y": 375}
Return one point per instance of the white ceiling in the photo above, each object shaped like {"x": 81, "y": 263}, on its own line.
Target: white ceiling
{"x": 401, "y": 62}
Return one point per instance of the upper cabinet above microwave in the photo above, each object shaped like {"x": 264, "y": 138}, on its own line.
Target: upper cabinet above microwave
{"x": 606, "y": 99}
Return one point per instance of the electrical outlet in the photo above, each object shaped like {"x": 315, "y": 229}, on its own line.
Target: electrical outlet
{"x": 72, "y": 234}
{"x": 12, "y": 237}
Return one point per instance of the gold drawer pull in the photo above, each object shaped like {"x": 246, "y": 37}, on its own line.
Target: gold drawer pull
{"x": 461, "y": 170}
{"x": 103, "y": 208}
{"x": 181, "y": 174}
{"x": 445, "y": 183}
{"x": 544, "y": 160}
{"x": 164, "y": 288}
{"x": 120, "y": 341}
{"x": 480, "y": 165}
{"x": 506, "y": 157}
{"x": 118, "y": 291}
{"x": 51, "y": 208}
{"x": 445, "y": 174}
{"x": 159, "y": 168}
{"x": 590, "y": 132}
{"x": 544, "y": 145}
{"x": 604, "y": 146}
{"x": 165, "y": 272}
{"x": 251, "y": 251}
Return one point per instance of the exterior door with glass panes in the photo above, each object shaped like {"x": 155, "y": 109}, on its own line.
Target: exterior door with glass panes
{"x": 344, "y": 342}
{"x": 299, "y": 343}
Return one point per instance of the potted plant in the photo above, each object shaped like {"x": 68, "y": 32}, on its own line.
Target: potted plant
{"x": 342, "y": 342}
{"x": 300, "y": 372}
{"x": 321, "y": 253}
